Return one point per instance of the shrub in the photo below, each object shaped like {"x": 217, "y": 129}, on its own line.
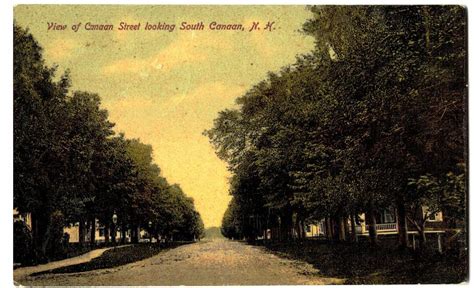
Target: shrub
{"x": 23, "y": 250}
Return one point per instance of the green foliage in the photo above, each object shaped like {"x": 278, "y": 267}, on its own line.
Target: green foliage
{"x": 56, "y": 246}
{"x": 23, "y": 250}
{"x": 231, "y": 222}
{"x": 441, "y": 194}
{"x": 70, "y": 167}
{"x": 379, "y": 101}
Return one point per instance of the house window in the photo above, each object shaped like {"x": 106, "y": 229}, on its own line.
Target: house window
{"x": 101, "y": 232}
{"x": 388, "y": 216}
{"x": 436, "y": 217}
{"x": 308, "y": 228}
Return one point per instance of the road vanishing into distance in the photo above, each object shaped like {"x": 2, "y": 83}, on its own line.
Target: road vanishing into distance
{"x": 209, "y": 262}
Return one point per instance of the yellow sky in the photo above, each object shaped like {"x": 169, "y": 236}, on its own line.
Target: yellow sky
{"x": 166, "y": 87}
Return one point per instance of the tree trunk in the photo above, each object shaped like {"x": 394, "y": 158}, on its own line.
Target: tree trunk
{"x": 275, "y": 236}
{"x": 325, "y": 225}
{"x": 346, "y": 228}
{"x": 422, "y": 236}
{"x": 123, "y": 234}
{"x": 134, "y": 234}
{"x": 44, "y": 235}
{"x": 303, "y": 228}
{"x": 286, "y": 225}
{"x": 298, "y": 226}
{"x": 329, "y": 228}
{"x": 354, "y": 228}
{"x": 114, "y": 233}
{"x": 267, "y": 225}
{"x": 372, "y": 227}
{"x": 34, "y": 230}
{"x": 285, "y": 228}
{"x": 340, "y": 227}
{"x": 82, "y": 232}
{"x": 92, "y": 220}
{"x": 40, "y": 226}
{"x": 107, "y": 232}
{"x": 402, "y": 226}
{"x": 335, "y": 226}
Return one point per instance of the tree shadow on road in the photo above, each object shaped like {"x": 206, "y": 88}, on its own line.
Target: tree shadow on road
{"x": 359, "y": 263}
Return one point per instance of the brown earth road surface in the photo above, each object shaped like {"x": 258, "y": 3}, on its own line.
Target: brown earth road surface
{"x": 213, "y": 262}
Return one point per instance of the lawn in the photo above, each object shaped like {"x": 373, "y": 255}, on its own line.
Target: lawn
{"x": 359, "y": 263}
{"x": 116, "y": 257}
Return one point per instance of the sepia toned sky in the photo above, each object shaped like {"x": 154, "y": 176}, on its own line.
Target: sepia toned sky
{"x": 164, "y": 87}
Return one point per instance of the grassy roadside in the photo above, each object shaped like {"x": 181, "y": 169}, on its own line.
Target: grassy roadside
{"x": 362, "y": 264}
{"x": 116, "y": 257}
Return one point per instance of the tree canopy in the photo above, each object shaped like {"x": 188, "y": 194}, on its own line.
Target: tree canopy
{"x": 373, "y": 117}
{"x": 69, "y": 163}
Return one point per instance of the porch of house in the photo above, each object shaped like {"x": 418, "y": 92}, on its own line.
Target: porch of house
{"x": 387, "y": 223}
{"x": 382, "y": 228}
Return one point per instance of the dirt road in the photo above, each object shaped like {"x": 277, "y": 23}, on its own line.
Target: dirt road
{"x": 217, "y": 262}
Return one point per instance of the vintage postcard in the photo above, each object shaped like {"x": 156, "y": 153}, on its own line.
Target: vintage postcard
{"x": 239, "y": 145}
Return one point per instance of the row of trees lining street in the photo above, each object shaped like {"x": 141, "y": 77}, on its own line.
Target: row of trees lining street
{"x": 374, "y": 117}
{"x": 70, "y": 167}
